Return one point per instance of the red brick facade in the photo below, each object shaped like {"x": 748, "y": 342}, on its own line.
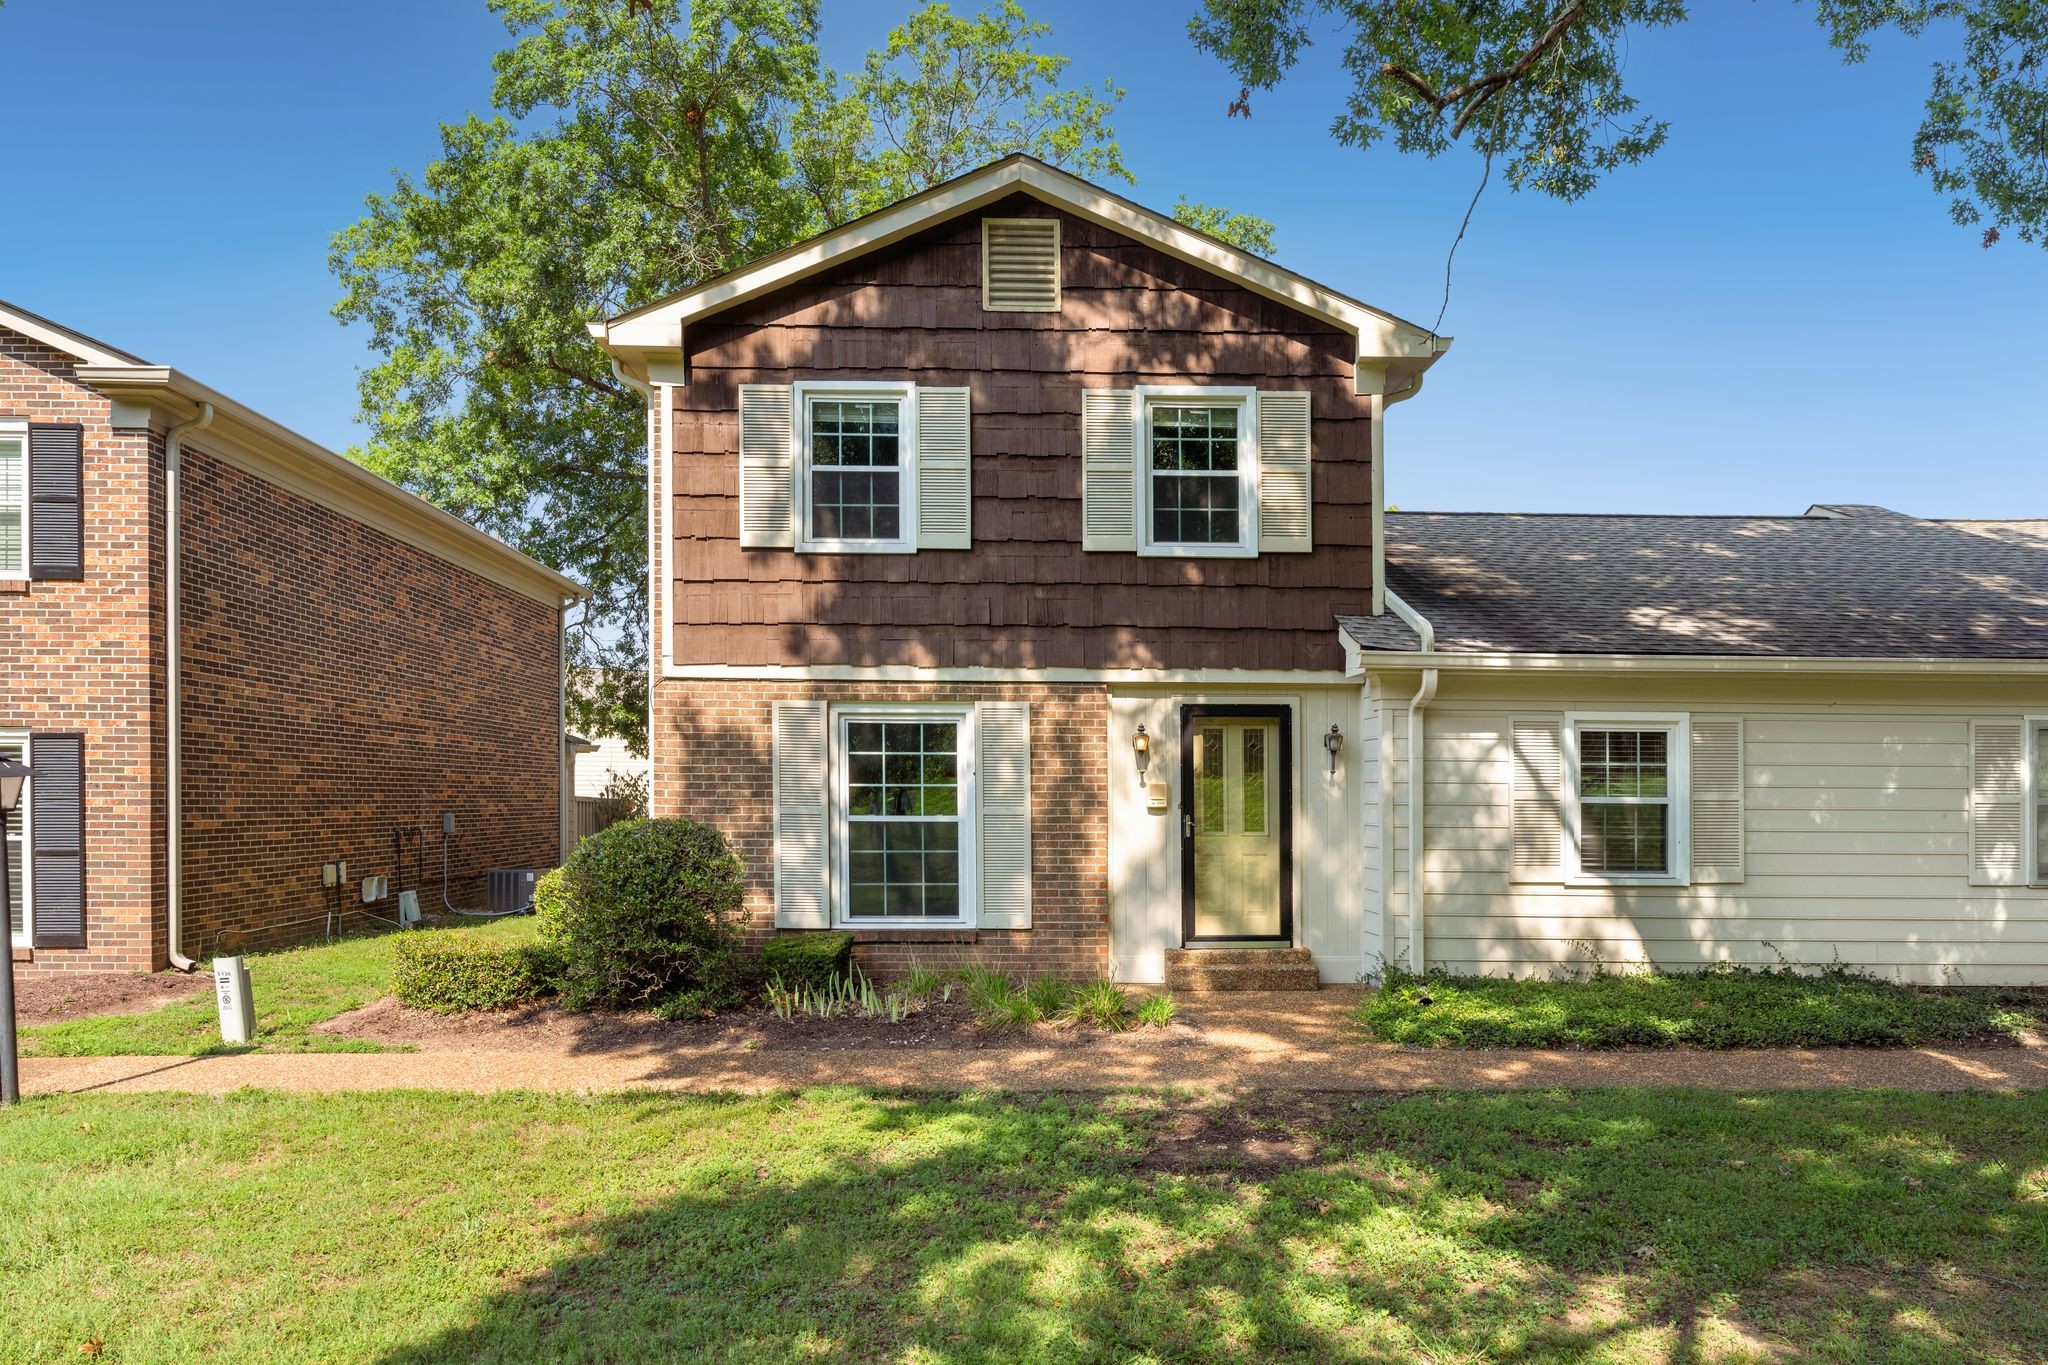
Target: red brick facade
{"x": 339, "y": 683}
{"x": 713, "y": 763}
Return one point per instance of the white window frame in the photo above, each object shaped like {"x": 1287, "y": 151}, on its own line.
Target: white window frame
{"x": 805, "y": 392}
{"x": 1678, "y": 776}
{"x": 17, "y": 428}
{"x": 2034, "y": 748}
{"x": 27, "y": 936}
{"x": 1246, "y": 401}
{"x": 960, "y": 714}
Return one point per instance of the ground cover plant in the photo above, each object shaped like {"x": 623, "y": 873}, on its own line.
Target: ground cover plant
{"x": 1610, "y": 1226}
{"x": 295, "y": 989}
{"x": 1722, "y": 1008}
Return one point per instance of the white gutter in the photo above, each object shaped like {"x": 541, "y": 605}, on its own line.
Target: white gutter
{"x": 1418, "y": 777}
{"x": 174, "y": 692}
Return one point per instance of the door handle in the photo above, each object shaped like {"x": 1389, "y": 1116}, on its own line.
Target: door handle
{"x": 1187, "y": 825}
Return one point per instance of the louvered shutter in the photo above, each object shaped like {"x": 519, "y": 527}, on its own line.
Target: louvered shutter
{"x": 1003, "y": 812}
{"x": 1284, "y": 513}
{"x": 1998, "y": 788}
{"x": 1020, "y": 265}
{"x": 57, "y": 826}
{"x": 1538, "y": 796}
{"x": 767, "y": 466}
{"x": 1109, "y": 470}
{"x": 945, "y": 490}
{"x": 1717, "y": 798}
{"x": 56, "y": 494}
{"x": 803, "y": 897}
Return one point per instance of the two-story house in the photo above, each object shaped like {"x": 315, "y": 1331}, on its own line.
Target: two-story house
{"x": 1022, "y": 595}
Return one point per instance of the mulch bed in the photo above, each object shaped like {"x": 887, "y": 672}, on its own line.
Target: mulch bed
{"x": 46, "y": 997}
{"x": 946, "y": 1025}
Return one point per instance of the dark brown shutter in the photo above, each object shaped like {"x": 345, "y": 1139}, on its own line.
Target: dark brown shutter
{"x": 57, "y": 825}
{"x": 56, "y": 496}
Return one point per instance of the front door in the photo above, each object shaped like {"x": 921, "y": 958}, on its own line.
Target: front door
{"x": 1236, "y": 780}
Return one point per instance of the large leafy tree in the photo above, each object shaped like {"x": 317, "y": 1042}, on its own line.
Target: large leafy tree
{"x": 636, "y": 147}
{"x": 1538, "y": 85}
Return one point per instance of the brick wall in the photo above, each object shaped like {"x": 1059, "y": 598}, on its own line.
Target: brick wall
{"x": 340, "y": 684}
{"x": 86, "y": 656}
{"x": 713, "y": 762}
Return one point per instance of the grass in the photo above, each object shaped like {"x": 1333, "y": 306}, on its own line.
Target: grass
{"x": 1609, "y": 1226}
{"x": 1002, "y": 1003}
{"x": 1725, "y": 1008}
{"x": 294, "y": 990}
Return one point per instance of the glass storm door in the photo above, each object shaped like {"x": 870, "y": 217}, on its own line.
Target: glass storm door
{"x": 1235, "y": 845}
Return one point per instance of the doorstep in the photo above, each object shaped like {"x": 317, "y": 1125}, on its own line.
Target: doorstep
{"x": 1241, "y": 969}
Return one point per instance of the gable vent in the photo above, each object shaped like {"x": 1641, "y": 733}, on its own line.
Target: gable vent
{"x": 1020, "y": 265}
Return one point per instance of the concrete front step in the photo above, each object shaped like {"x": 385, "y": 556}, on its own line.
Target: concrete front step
{"x": 1241, "y": 969}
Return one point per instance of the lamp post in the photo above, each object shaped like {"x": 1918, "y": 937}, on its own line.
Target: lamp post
{"x": 13, "y": 777}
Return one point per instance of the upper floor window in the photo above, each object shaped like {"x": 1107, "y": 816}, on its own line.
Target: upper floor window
{"x": 13, "y": 499}
{"x": 855, "y": 481}
{"x": 1200, "y": 472}
{"x": 1629, "y": 780}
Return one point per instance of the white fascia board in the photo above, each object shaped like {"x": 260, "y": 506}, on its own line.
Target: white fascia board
{"x": 1694, "y": 663}
{"x": 277, "y": 454}
{"x": 1383, "y": 339}
{"x": 1217, "y": 677}
{"x": 60, "y": 338}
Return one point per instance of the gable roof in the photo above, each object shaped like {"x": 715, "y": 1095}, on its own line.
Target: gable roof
{"x": 278, "y": 454}
{"x": 1845, "y": 581}
{"x": 1392, "y": 352}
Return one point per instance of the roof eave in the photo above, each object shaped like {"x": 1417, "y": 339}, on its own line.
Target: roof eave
{"x": 1362, "y": 659}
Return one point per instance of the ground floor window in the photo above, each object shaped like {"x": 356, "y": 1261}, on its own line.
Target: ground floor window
{"x": 2039, "y": 786}
{"x": 19, "y": 923}
{"x": 904, "y": 792}
{"x": 1629, "y": 797}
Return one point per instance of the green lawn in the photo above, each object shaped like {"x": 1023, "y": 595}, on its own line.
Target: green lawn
{"x": 1592, "y": 1226}
{"x": 1715, "y": 1009}
{"x": 294, "y": 990}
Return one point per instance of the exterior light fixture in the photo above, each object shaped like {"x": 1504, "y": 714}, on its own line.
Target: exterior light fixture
{"x": 1141, "y": 747}
{"x": 13, "y": 777}
{"x": 1333, "y": 742}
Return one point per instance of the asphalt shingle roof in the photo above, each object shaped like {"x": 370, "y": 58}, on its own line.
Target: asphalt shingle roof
{"x": 1848, "y": 581}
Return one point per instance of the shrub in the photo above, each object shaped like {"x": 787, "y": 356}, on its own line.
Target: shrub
{"x": 449, "y": 971}
{"x": 644, "y": 915}
{"x": 1100, "y": 1002}
{"x": 808, "y": 959}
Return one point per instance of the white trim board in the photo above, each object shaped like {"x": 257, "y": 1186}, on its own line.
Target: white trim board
{"x": 1163, "y": 677}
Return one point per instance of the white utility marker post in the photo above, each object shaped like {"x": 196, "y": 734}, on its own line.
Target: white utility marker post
{"x": 237, "y": 1006}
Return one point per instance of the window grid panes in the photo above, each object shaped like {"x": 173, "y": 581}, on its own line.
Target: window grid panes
{"x": 903, "y": 819}
{"x": 1254, "y": 780}
{"x": 1195, "y": 482}
{"x": 16, "y": 885}
{"x": 856, "y": 469}
{"x": 1209, "y": 780}
{"x": 13, "y": 504}
{"x": 1625, "y": 802}
{"x": 2041, "y": 803}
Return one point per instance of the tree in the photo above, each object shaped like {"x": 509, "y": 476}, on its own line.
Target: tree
{"x": 1537, "y": 84}
{"x": 637, "y": 147}
{"x": 1241, "y": 230}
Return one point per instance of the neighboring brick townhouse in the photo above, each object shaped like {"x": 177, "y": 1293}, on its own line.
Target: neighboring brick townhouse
{"x": 1025, "y": 592}
{"x": 350, "y": 664}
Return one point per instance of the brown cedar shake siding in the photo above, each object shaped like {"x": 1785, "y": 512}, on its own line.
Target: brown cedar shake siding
{"x": 1025, "y": 595}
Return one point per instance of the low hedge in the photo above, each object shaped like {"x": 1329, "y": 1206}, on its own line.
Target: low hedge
{"x": 449, "y": 971}
{"x": 808, "y": 959}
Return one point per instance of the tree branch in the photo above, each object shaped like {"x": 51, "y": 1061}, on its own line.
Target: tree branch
{"x": 1480, "y": 89}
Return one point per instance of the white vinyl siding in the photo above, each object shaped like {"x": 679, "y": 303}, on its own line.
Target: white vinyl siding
{"x": 1857, "y": 847}
{"x": 21, "y": 904}
{"x": 14, "y": 484}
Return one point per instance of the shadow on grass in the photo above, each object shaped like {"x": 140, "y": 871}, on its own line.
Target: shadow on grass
{"x": 1599, "y": 1225}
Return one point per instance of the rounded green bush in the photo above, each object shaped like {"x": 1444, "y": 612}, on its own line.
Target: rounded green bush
{"x": 645, "y": 914}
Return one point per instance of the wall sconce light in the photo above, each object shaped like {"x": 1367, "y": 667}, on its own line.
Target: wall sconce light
{"x": 1333, "y": 742}
{"x": 1141, "y": 747}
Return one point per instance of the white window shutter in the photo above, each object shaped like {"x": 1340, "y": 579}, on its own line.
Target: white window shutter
{"x": 767, "y": 466}
{"x": 1109, "y": 470}
{"x": 1003, "y": 812}
{"x": 945, "y": 491}
{"x": 1538, "y": 794}
{"x": 803, "y": 897}
{"x": 1284, "y": 510}
{"x": 1717, "y": 799}
{"x": 1998, "y": 816}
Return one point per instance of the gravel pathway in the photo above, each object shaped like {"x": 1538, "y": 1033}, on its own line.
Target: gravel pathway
{"x": 1226, "y": 1043}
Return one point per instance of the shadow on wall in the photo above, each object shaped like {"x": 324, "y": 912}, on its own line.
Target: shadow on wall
{"x": 1456, "y": 1226}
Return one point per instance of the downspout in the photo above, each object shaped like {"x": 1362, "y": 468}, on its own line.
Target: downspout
{"x": 1418, "y": 778}
{"x": 174, "y": 692}
{"x": 656, "y": 589}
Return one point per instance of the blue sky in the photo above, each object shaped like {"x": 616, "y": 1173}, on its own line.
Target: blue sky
{"x": 1773, "y": 312}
